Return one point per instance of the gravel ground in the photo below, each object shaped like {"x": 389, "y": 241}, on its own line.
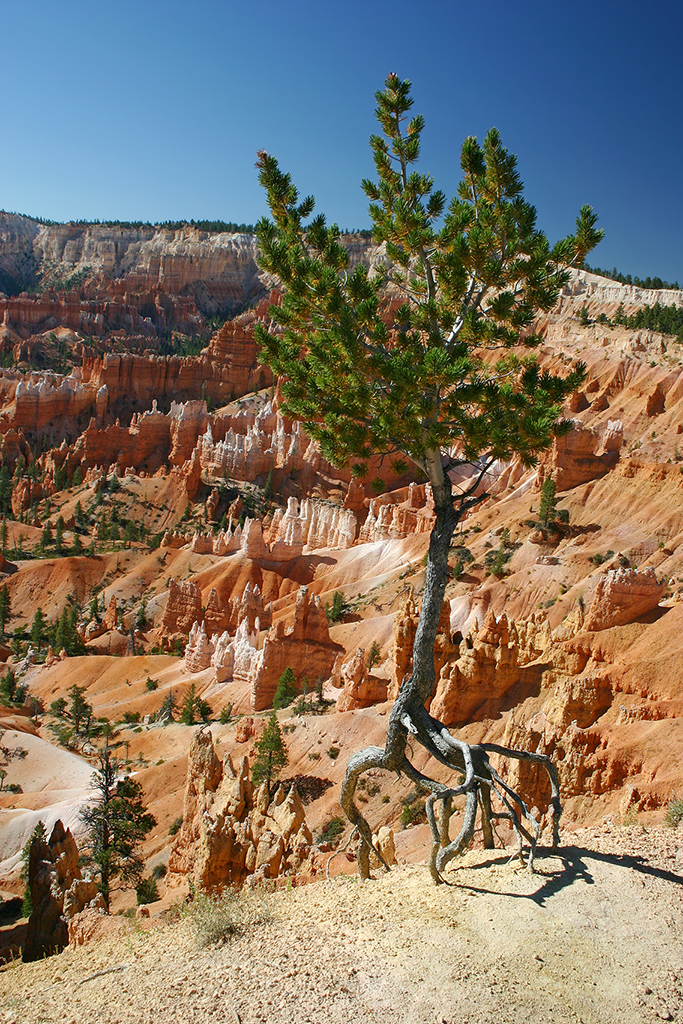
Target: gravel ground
{"x": 594, "y": 936}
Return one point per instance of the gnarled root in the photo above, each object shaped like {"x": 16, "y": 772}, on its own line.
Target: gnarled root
{"x": 479, "y": 782}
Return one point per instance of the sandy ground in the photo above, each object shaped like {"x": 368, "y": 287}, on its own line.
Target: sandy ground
{"x": 594, "y": 936}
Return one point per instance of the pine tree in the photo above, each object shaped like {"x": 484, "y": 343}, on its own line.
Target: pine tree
{"x": 116, "y": 825}
{"x": 40, "y": 833}
{"x": 169, "y": 706}
{"x": 46, "y": 538}
{"x": 285, "y": 691}
{"x": 426, "y": 382}
{"x": 547, "y": 512}
{"x": 38, "y": 629}
{"x": 3, "y": 536}
{"x": 189, "y": 710}
{"x": 271, "y": 755}
{"x": 59, "y": 536}
{"x": 5, "y": 608}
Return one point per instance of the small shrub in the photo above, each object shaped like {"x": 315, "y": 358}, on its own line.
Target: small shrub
{"x": 225, "y": 714}
{"x": 331, "y": 832}
{"x": 151, "y": 684}
{"x": 131, "y": 717}
{"x": 332, "y": 753}
{"x": 315, "y": 756}
{"x": 338, "y": 609}
{"x": 159, "y": 871}
{"x": 413, "y": 814}
{"x": 218, "y": 917}
{"x": 146, "y": 891}
{"x": 176, "y": 826}
{"x": 386, "y": 798}
{"x": 674, "y": 812}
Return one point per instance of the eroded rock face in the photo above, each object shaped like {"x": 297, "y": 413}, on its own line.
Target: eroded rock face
{"x": 230, "y": 832}
{"x": 58, "y": 893}
{"x": 305, "y": 647}
{"x": 183, "y": 607}
{"x": 199, "y": 650}
{"x": 415, "y": 515}
{"x": 111, "y": 616}
{"x": 581, "y": 455}
{"x": 405, "y": 627}
{"x": 361, "y": 689}
{"x": 621, "y": 596}
{"x": 486, "y": 668}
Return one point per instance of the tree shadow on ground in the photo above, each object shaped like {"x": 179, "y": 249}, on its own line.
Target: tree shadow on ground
{"x": 575, "y": 867}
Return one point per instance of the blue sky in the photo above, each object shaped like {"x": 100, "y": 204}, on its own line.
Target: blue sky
{"x": 155, "y": 110}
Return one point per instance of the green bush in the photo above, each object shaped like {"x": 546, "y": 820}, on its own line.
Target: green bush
{"x": 159, "y": 871}
{"x": 146, "y": 891}
{"x": 151, "y": 684}
{"x": 413, "y": 814}
{"x": 331, "y": 831}
{"x": 176, "y": 826}
{"x": 333, "y": 753}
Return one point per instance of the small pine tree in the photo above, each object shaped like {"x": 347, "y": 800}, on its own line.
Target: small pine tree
{"x": 338, "y": 609}
{"x": 268, "y": 489}
{"x": 116, "y": 825}
{"x": 39, "y": 833}
{"x": 547, "y": 512}
{"x": 78, "y": 477}
{"x": 374, "y": 655}
{"x": 46, "y": 538}
{"x": 59, "y": 536}
{"x": 271, "y": 755}
{"x": 3, "y": 536}
{"x": 5, "y": 608}
{"x": 38, "y": 629}
{"x": 8, "y": 686}
{"x": 285, "y": 691}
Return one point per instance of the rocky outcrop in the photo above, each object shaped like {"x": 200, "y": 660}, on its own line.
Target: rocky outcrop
{"x": 405, "y": 627}
{"x": 58, "y": 893}
{"x": 199, "y": 650}
{"x": 581, "y": 455}
{"x": 183, "y": 607}
{"x": 360, "y": 688}
{"x": 623, "y": 595}
{"x": 305, "y": 647}
{"x": 229, "y": 832}
{"x": 486, "y": 668}
{"x": 415, "y": 515}
{"x": 111, "y": 616}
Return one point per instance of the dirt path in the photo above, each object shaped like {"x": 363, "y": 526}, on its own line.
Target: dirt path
{"x": 595, "y": 936}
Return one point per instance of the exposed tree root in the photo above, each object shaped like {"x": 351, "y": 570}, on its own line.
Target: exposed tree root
{"x": 479, "y": 782}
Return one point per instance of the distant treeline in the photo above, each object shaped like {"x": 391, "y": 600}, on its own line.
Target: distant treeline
{"x": 213, "y": 226}
{"x": 638, "y": 282}
{"x": 664, "y": 319}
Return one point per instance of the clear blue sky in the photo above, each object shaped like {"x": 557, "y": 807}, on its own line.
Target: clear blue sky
{"x": 154, "y": 110}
